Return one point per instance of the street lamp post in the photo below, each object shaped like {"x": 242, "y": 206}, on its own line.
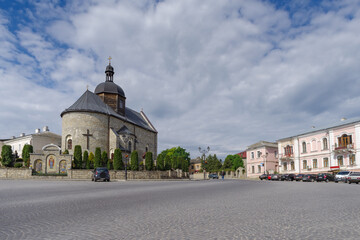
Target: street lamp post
{"x": 126, "y": 139}
{"x": 204, "y": 152}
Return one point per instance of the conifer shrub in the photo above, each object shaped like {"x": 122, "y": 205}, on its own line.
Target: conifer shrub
{"x": 149, "y": 162}
{"x": 86, "y": 159}
{"x": 134, "y": 161}
{"x": 118, "y": 163}
{"x": 78, "y": 157}
{"x": 27, "y": 149}
{"x": 97, "y": 159}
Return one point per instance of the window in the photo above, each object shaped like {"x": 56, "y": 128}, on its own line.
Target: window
{"x": 344, "y": 140}
{"x": 304, "y": 164}
{"x": 285, "y": 166}
{"x": 325, "y": 144}
{"x": 340, "y": 160}
{"x": 129, "y": 146}
{"x": 314, "y": 163}
{"x": 326, "y": 162}
{"x": 259, "y": 168}
{"x": 192, "y": 166}
{"x": 304, "y": 147}
{"x": 252, "y": 155}
{"x": 292, "y": 166}
{"x": 288, "y": 150}
{"x": 69, "y": 144}
{"x": 253, "y": 169}
{"x": 146, "y": 149}
{"x": 352, "y": 159}
{"x": 258, "y": 154}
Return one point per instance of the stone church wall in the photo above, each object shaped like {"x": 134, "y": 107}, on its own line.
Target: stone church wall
{"x": 77, "y": 123}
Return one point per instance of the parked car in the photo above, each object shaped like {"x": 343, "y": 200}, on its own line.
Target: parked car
{"x": 270, "y": 176}
{"x": 263, "y": 176}
{"x": 309, "y": 178}
{"x": 101, "y": 173}
{"x": 275, "y": 177}
{"x": 213, "y": 176}
{"x": 354, "y": 177}
{"x": 299, "y": 177}
{"x": 288, "y": 177}
{"x": 325, "y": 177}
{"x": 342, "y": 176}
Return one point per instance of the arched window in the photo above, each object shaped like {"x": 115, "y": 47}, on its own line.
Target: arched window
{"x": 146, "y": 149}
{"x": 325, "y": 144}
{"x": 304, "y": 147}
{"x": 69, "y": 144}
{"x": 344, "y": 140}
{"x": 129, "y": 146}
{"x": 288, "y": 150}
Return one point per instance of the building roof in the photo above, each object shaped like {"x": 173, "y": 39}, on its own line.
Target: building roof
{"x": 196, "y": 160}
{"x": 343, "y": 122}
{"x": 262, "y": 144}
{"x": 109, "y": 87}
{"x": 90, "y": 102}
{"x": 40, "y": 134}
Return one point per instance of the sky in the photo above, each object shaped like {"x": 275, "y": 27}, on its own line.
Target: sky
{"x": 224, "y": 74}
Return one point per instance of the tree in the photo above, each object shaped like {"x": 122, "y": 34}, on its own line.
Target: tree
{"x": 134, "y": 161}
{"x": 110, "y": 164}
{"x": 167, "y": 162}
{"x": 104, "y": 158}
{"x": 149, "y": 162}
{"x": 27, "y": 149}
{"x": 91, "y": 161}
{"x": 237, "y": 162}
{"x": 118, "y": 163}
{"x": 228, "y": 162}
{"x": 66, "y": 151}
{"x": 78, "y": 157}
{"x": 86, "y": 159}
{"x": 213, "y": 163}
{"x": 97, "y": 159}
{"x": 160, "y": 162}
{"x": 6, "y": 155}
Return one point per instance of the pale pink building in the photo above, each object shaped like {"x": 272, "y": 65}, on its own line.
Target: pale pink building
{"x": 261, "y": 158}
{"x": 333, "y": 148}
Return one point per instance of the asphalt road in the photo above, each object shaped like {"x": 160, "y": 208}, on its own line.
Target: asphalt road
{"x": 213, "y": 209}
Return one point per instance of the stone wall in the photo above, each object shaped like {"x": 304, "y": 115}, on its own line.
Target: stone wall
{"x": 85, "y": 174}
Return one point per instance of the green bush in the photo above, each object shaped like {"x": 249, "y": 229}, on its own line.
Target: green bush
{"x": 66, "y": 151}
{"x": 78, "y": 157}
{"x": 118, "y": 163}
{"x": 27, "y": 149}
{"x": 18, "y": 165}
{"x": 48, "y": 174}
{"x": 134, "y": 162}
{"x": 104, "y": 159}
{"x": 86, "y": 159}
{"x": 149, "y": 162}
{"x": 6, "y": 156}
{"x": 160, "y": 162}
{"x": 97, "y": 159}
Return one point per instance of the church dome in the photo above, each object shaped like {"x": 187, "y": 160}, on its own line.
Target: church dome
{"x": 109, "y": 87}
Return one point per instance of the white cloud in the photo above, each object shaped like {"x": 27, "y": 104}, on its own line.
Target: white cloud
{"x": 219, "y": 73}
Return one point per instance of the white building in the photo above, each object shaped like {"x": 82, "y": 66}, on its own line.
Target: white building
{"x": 38, "y": 140}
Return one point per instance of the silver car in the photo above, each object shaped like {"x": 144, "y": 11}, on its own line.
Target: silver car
{"x": 342, "y": 176}
{"x": 354, "y": 177}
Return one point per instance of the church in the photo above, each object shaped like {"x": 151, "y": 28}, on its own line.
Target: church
{"x": 101, "y": 119}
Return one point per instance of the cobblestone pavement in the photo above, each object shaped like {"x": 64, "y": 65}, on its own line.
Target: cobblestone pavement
{"x": 214, "y": 209}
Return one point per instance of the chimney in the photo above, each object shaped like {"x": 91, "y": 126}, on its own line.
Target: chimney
{"x": 22, "y": 135}
{"x": 45, "y": 129}
{"x": 37, "y": 130}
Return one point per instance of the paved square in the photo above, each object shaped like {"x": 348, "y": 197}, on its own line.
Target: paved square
{"x": 212, "y": 209}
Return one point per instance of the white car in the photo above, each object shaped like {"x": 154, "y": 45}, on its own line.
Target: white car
{"x": 342, "y": 176}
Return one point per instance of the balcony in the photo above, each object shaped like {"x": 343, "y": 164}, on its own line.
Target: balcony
{"x": 284, "y": 157}
{"x": 349, "y": 148}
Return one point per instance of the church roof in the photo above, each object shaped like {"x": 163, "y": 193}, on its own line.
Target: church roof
{"x": 90, "y": 102}
{"x": 109, "y": 87}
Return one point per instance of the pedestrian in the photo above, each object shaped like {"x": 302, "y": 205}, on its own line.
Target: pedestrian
{"x": 222, "y": 175}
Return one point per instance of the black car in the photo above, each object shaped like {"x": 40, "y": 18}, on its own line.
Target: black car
{"x": 326, "y": 177}
{"x": 298, "y": 177}
{"x": 309, "y": 178}
{"x": 213, "y": 176}
{"x": 264, "y": 176}
{"x": 101, "y": 173}
{"x": 288, "y": 177}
